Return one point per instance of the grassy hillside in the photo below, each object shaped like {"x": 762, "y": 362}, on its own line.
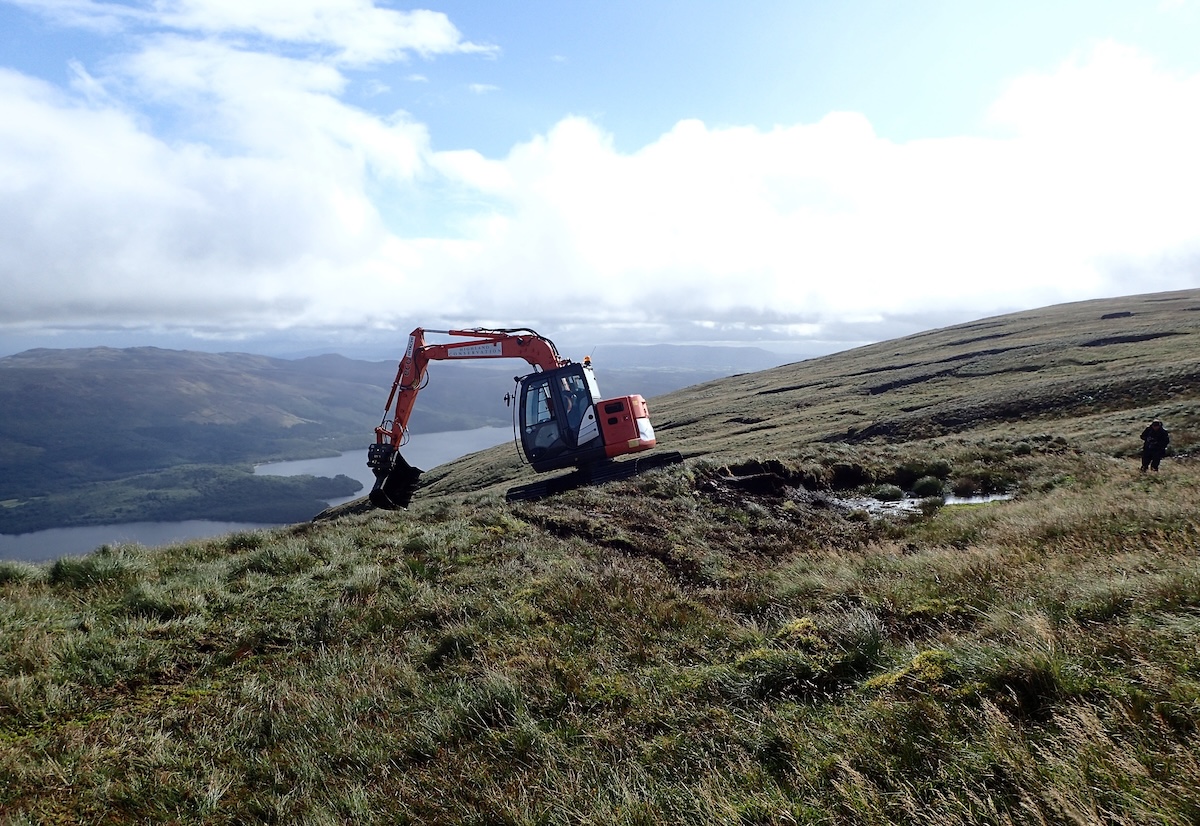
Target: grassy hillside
{"x": 1064, "y": 371}
{"x": 734, "y": 640}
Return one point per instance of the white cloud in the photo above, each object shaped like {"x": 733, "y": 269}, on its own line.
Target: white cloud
{"x": 1111, "y": 141}
{"x": 263, "y": 104}
{"x": 1095, "y": 179}
{"x": 357, "y": 31}
{"x": 87, "y": 14}
{"x": 100, "y": 221}
{"x": 361, "y": 31}
{"x": 266, "y": 202}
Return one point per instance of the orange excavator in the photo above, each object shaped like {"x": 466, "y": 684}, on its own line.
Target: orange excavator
{"x": 560, "y": 418}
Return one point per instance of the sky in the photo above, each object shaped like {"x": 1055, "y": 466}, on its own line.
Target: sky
{"x": 293, "y": 176}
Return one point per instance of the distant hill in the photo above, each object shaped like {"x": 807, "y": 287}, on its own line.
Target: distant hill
{"x": 76, "y": 417}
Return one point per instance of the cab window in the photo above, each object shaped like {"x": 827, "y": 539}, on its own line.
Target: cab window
{"x": 538, "y": 406}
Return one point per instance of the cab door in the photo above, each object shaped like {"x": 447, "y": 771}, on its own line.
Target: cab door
{"x": 541, "y": 427}
{"x": 558, "y": 418}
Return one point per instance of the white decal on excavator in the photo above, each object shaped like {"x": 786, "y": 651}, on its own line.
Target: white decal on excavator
{"x": 476, "y": 351}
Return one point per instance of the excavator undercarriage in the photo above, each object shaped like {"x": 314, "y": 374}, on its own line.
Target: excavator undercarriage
{"x": 592, "y": 475}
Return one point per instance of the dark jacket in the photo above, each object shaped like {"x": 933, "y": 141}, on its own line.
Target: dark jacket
{"x": 1155, "y": 441}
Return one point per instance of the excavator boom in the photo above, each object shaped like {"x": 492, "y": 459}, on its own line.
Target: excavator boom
{"x": 482, "y": 344}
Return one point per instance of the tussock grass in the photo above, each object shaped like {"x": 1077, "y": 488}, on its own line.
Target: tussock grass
{"x": 610, "y": 655}
{"x": 717, "y": 642}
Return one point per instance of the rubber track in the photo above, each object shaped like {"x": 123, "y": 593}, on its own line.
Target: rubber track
{"x": 592, "y": 475}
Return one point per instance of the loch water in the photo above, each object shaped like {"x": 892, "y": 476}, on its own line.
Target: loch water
{"x": 423, "y": 451}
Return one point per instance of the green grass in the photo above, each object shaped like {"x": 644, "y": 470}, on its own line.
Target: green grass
{"x": 681, "y": 647}
{"x": 612, "y": 656}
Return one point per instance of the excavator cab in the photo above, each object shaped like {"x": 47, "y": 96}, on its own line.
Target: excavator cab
{"x": 558, "y": 424}
{"x": 564, "y": 422}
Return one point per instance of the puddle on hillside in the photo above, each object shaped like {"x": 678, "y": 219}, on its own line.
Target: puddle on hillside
{"x": 909, "y": 504}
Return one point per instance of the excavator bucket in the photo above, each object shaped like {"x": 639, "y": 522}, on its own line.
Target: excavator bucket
{"x": 395, "y": 479}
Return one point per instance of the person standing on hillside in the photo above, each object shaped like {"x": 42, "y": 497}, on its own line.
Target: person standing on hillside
{"x": 1154, "y": 445}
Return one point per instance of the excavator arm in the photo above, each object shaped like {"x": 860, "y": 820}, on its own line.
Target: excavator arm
{"x": 395, "y": 479}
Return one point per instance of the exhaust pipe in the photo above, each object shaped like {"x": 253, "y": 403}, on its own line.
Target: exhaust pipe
{"x": 395, "y": 479}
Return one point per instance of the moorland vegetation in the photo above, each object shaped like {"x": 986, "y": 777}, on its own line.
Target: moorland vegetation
{"x": 730, "y": 640}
